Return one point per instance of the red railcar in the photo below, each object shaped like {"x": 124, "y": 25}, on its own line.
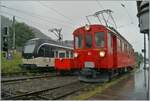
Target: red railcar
{"x": 101, "y": 50}
{"x": 64, "y": 61}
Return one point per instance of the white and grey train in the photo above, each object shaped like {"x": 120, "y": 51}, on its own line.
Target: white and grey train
{"x": 42, "y": 52}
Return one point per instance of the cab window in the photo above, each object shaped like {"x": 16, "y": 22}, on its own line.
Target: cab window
{"x": 78, "y": 41}
{"x": 99, "y": 39}
{"x": 88, "y": 40}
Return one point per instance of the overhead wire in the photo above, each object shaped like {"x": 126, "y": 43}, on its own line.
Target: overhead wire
{"x": 33, "y": 15}
{"x": 59, "y": 13}
{"x": 100, "y": 5}
{"x": 87, "y": 17}
{"x": 124, "y": 6}
{"x": 20, "y": 17}
{"x": 27, "y": 20}
{"x": 107, "y": 20}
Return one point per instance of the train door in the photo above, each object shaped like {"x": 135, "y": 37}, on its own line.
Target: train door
{"x": 45, "y": 56}
{"x": 51, "y": 57}
{"x": 71, "y": 54}
{"x": 114, "y": 44}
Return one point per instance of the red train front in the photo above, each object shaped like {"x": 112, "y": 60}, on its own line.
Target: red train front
{"x": 101, "y": 52}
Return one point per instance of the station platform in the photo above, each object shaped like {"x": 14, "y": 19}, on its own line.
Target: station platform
{"x": 130, "y": 88}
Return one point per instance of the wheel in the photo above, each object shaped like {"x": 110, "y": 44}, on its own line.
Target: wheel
{"x": 110, "y": 73}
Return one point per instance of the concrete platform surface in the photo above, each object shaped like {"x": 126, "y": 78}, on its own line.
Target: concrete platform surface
{"x": 131, "y": 88}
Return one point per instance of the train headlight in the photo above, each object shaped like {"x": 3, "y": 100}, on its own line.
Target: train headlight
{"x": 87, "y": 27}
{"x": 76, "y": 55}
{"x": 61, "y": 59}
{"x": 102, "y": 53}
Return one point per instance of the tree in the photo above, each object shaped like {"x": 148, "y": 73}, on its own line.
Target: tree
{"x": 138, "y": 57}
{"x": 23, "y": 33}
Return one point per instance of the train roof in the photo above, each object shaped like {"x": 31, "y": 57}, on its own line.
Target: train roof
{"x": 51, "y": 43}
{"x": 35, "y": 39}
{"x": 118, "y": 34}
{"x": 109, "y": 28}
{"x": 56, "y": 45}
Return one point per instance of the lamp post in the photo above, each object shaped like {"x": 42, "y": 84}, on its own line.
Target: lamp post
{"x": 14, "y": 34}
{"x": 143, "y": 17}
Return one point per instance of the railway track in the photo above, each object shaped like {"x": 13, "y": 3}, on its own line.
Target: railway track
{"x": 64, "y": 91}
{"x": 13, "y": 79}
{"x": 13, "y": 73}
{"x": 23, "y": 73}
{"x": 58, "y": 88}
{"x": 18, "y": 89}
{"x": 51, "y": 93}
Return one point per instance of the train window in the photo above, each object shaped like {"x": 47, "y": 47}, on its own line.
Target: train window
{"x": 29, "y": 48}
{"x": 62, "y": 55}
{"x": 41, "y": 51}
{"x": 31, "y": 42}
{"x": 123, "y": 46}
{"x": 109, "y": 41}
{"x": 99, "y": 39}
{"x": 56, "y": 54}
{"x": 67, "y": 54}
{"x": 51, "y": 54}
{"x": 78, "y": 41}
{"x": 46, "y": 51}
{"x": 88, "y": 40}
{"x": 127, "y": 49}
{"x": 118, "y": 44}
{"x": 71, "y": 54}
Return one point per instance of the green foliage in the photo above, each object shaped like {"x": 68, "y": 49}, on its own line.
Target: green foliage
{"x": 10, "y": 66}
{"x": 138, "y": 57}
{"x": 23, "y": 33}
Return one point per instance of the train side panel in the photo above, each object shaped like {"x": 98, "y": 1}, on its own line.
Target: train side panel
{"x": 39, "y": 62}
{"x": 65, "y": 64}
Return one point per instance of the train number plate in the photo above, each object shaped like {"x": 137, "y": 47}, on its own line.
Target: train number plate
{"x": 89, "y": 65}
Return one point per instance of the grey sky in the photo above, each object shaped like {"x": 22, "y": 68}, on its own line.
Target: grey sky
{"x": 69, "y": 15}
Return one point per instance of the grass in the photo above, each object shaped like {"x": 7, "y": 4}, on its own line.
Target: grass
{"x": 11, "y": 66}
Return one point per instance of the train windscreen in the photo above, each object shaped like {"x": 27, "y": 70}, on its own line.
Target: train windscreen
{"x": 78, "y": 41}
{"x": 99, "y": 39}
{"x": 29, "y": 48}
{"x": 88, "y": 40}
